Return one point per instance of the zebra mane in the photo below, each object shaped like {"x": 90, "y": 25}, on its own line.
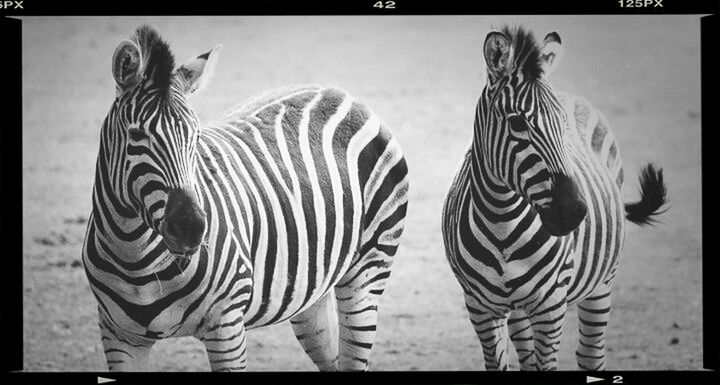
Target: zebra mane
{"x": 159, "y": 61}
{"x": 526, "y": 49}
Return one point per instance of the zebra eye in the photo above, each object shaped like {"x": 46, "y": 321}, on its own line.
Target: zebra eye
{"x": 519, "y": 126}
{"x": 137, "y": 134}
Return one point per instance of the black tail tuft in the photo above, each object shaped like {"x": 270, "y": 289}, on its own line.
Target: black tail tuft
{"x": 653, "y": 196}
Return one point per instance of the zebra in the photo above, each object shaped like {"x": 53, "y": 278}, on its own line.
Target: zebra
{"x": 288, "y": 207}
{"x": 533, "y": 220}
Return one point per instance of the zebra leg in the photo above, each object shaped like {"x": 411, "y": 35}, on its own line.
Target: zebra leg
{"x": 492, "y": 332}
{"x": 123, "y": 354}
{"x": 225, "y": 343}
{"x": 521, "y": 334}
{"x": 547, "y": 327}
{"x": 358, "y": 294}
{"x": 317, "y": 331}
{"x": 593, "y": 314}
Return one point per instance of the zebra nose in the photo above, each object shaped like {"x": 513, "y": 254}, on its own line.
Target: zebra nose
{"x": 184, "y": 224}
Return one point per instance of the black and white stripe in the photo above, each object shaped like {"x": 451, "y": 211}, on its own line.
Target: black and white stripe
{"x": 289, "y": 207}
{"x": 534, "y": 219}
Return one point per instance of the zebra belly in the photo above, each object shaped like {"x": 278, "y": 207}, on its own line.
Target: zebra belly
{"x": 295, "y": 259}
{"x": 279, "y": 306}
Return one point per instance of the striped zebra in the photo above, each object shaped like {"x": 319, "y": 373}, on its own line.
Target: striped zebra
{"x": 534, "y": 219}
{"x": 289, "y": 207}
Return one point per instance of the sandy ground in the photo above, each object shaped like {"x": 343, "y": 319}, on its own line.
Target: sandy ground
{"x": 423, "y": 76}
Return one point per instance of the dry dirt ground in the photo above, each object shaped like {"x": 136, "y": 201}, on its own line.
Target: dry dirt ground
{"x": 423, "y": 75}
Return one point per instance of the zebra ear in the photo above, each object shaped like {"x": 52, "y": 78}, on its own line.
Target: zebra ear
{"x": 127, "y": 65}
{"x": 498, "y": 54}
{"x": 551, "y": 53}
{"x": 196, "y": 72}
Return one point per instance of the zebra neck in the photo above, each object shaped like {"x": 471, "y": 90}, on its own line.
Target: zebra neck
{"x": 499, "y": 207}
{"x": 122, "y": 236}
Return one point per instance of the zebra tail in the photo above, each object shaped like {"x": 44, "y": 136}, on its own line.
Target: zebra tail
{"x": 653, "y": 196}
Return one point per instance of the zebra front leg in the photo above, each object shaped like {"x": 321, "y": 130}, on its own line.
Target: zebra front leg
{"x": 491, "y": 329}
{"x": 225, "y": 343}
{"x": 593, "y": 314}
{"x": 316, "y": 329}
{"x": 547, "y": 326}
{"x": 124, "y": 354}
{"x": 521, "y": 334}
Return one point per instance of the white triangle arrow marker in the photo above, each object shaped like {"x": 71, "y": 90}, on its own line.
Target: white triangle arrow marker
{"x": 102, "y": 380}
{"x": 593, "y": 379}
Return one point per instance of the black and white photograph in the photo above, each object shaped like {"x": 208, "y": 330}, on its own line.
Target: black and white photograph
{"x": 361, "y": 193}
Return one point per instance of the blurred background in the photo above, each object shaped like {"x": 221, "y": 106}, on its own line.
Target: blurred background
{"x": 423, "y": 76}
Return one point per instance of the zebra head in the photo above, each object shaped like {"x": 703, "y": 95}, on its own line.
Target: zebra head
{"x": 152, "y": 134}
{"x": 525, "y": 127}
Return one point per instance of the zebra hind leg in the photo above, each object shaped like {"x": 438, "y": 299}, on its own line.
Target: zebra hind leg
{"x": 317, "y": 331}
{"x": 521, "y": 335}
{"x": 358, "y": 294}
{"x": 359, "y": 290}
{"x": 491, "y": 329}
{"x": 593, "y": 314}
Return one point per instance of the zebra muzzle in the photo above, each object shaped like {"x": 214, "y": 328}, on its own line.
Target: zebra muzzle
{"x": 184, "y": 224}
{"x": 568, "y": 208}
